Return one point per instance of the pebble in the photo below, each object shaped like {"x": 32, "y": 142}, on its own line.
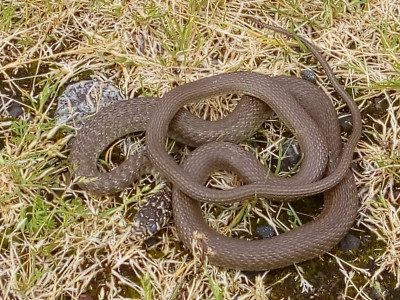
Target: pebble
{"x": 151, "y": 241}
{"x": 378, "y": 295}
{"x": 346, "y": 122}
{"x": 371, "y": 265}
{"x": 381, "y": 104}
{"x": 309, "y": 76}
{"x": 291, "y": 155}
{"x": 83, "y": 99}
{"x": 349, "y": 242}
{"x": 13, "y": 108}
{"x": 377, "y": 107}
{"x": 265, "y": 232}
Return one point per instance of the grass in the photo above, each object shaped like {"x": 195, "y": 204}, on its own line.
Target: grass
{"x": 58, "y": 242}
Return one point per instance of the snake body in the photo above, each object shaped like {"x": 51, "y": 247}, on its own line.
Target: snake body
{"x": 305, "y": 109}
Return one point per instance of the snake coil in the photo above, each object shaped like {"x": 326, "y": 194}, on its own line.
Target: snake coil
{"x": 304, "y": 108}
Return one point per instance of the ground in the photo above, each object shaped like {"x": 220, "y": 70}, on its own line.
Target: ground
{"x": 58, "y": 242}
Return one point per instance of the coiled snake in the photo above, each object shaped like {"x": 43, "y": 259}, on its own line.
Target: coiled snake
{"x": 304, "y": 108}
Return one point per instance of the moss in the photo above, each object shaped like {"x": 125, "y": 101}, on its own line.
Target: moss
{"x": 325, "y": 276}
{"x": 84, "y": 75}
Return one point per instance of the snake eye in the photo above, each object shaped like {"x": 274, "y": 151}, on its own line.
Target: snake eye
{"x": 153, "y": 228}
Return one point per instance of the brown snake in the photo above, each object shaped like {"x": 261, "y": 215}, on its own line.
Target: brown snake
{"x": 304, "y": 108}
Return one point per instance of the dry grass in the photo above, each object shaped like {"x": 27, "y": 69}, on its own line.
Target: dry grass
{"x": 56, "y": 242}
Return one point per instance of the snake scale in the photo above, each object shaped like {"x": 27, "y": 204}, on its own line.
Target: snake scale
{"x": 303, "y": 107}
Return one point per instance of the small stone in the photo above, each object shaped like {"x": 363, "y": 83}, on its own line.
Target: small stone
{"x": 381, "y": 104}
{"x": 15, "y": 109}
{"x": 376, "y": 295}
{"x": 346, "y": 122}
{"x": 349, "y": 242}
{"x": 265, "y": 232}
{"x": 291, "y": 155}
{"x": 215, "y": 60}
{"x": 151, "y": 241}
{"x": 180, "y": 57}
{"x": 309, "y": 76}
{"x": 371, "y": 265}
{"x": 377, "y": 106}
{"x": 356, "y": 167}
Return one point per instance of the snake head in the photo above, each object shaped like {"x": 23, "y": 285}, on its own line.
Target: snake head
{"x": 153, "y": 216}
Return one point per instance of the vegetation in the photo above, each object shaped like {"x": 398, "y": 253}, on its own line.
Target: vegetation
{"x": 58, "y": 242}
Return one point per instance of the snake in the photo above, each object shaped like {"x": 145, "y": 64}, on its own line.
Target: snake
{"x": 303, "y": 107}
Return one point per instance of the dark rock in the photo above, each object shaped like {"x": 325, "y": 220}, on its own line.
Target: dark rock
{"x": 356, "y": 167}
{"x": 346, "y": 122}
{"x": 381, "y": 104}
{"x": 151, "y": 241}
{"x": 377, "y": 107}
{"x": 349, "y": 242}
{"x": 15, "y": 109}
{"x": 265, "y": 232}
{"x": 292, "y": 155}
{"x": 371, "y": 265}
{"x": 309, "y": 76}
